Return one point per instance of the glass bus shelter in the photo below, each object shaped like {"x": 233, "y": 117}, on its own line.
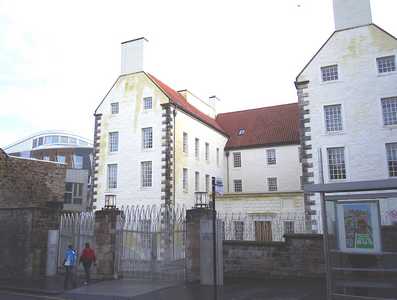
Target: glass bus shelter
{"x": 359, "y": 222}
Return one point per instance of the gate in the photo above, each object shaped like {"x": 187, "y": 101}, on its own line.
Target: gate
{"x": 152, "y": 243}
{"x": 76, "y": 229}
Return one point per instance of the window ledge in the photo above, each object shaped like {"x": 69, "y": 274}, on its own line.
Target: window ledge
{"x": 386, "y": 74}
{"x": 331, "y": 133}
{"x": 330, "y": 82}
{"x": 148, "y": 149}
{"x": 146, "y": 188}
{"x": 390, "y": 127}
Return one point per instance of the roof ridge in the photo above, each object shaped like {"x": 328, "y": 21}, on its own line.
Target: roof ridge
{"x": 257, "y": 108}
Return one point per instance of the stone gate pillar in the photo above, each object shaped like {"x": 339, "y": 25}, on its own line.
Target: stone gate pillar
{"x": 193, "y": 218}
{"x": 106, "y": 229}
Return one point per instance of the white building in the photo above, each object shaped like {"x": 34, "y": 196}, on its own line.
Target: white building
{"x": 263, "y": 171}
{"x": 153, "y": 146}
{"x": 348, "y": 99}
{"x": 158, "y": 146}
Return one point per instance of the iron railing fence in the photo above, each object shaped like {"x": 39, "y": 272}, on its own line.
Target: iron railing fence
{"x": 153, "y": 242}
{"x": 265, "y": 227}
{"x": 76, "y": 229}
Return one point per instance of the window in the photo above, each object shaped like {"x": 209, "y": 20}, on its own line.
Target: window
{"x": 40, "y": 141}
{"x": 77, "y": 162}
{"x": 185, "y": 180}
{"x": 238, "y": 230}
{"x": 271, "y": 156}
{"x": 238, "y": 185}
{"x": 386, "y": 64}
{"x": 207, "y": 151}
{"x": 185, "y": 143}
{"x": 114, "y": 108}
{"x": 77, "y": 193}
{"x": 272, "y": 184}
{"x": 34, "y": 143}
{"x": 207, "y": 183}
{"x": 147, "y": 103}
{"x": 72, "y": 141}
{"x": 47, "y": 140}
{"x": 73, "y": 193}
{"x": 54, "y": 139}
{"x": 64, "y": 139}
{"x": 197, "y": 181}
{"x": 237, "y": 159}
{"x": 46, "y": 157}
{"x": 147, "y": 138}
{"x": 289, "y": 227}
{"x": 329, "y": 73}
{"x": 113, "y": 141}
{"x": 61, "y": 159}
{"x": 67, "y": 199}
{"x": 217, "y": 157}
{"x": 336, "y": 163}
{"x": 112, "y": 176}
{"x": 241, "y": 131}
{"x": 197, "y": 148}
{"x": 389, "y": 108}
{"x": 333, "y": 117}
{"x": 146, "y": 167}
{"x": 391, "y": 150}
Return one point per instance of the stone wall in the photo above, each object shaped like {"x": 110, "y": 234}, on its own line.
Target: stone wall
{"x": 31, "y": 196}
{"x": 301, "y": 255}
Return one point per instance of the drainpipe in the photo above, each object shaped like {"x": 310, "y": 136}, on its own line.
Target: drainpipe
{"x": 227, "y": 169}
{"x": 173, "y": 179}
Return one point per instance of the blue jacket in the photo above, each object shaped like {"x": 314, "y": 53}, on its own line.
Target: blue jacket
{"x": 70, "y": 257}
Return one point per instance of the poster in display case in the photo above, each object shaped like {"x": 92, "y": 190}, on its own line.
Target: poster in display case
{"x": 358, "y": 226}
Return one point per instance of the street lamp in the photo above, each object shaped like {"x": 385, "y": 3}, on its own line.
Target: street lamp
{"x": 110, "y": 201}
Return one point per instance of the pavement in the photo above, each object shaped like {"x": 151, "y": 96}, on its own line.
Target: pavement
{"x": 137, "y": 289}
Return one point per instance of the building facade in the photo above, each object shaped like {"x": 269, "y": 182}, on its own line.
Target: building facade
{"x": 74, "y": 151}
{"x": 263, "y": 172}
{"x": 348, "y": 100}
{"x": 158, "y": 146}
{"x": 153, "y": 146}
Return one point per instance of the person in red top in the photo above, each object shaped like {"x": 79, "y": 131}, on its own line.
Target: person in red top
{"x": 87, "y": 258}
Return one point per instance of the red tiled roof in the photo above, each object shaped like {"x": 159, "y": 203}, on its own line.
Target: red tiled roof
{"x": 181, "y": 102}
{"x": 274, "y": 125}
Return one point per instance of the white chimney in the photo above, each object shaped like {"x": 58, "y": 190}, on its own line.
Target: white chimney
{"x": 133, "y": 56}
{"x": 351, "y": 13}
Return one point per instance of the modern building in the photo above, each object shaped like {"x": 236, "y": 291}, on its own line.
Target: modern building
{"x": 158, "y": 146}
{"x": 348, "y": 102}
{"x": 74, "y": 151}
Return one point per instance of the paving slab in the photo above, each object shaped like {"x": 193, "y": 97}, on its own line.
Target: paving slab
{"x": 120, "y": 289}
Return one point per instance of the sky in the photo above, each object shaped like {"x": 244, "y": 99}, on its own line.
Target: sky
{"x": 58, "y": 59}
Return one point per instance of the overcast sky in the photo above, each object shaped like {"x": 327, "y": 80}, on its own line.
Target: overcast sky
{"x": 59, "y": 58}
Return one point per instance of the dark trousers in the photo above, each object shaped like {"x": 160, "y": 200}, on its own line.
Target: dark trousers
{"x": 87, "y": 267}
{"x": 69, "y": 277}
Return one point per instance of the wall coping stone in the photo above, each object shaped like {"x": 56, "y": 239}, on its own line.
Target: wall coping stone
{"x": 254, "y": 243}
{"x": 305, "y": 236}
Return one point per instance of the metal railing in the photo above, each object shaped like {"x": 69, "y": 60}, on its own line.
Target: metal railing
{"x": 255, "y": 227}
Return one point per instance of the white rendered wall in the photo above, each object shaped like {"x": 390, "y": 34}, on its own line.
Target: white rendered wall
{"x": 254, "y": 169}
{"x": 205, "y": 134}
{"x": 129, "y": 91}
{"x": 359, "y": 90}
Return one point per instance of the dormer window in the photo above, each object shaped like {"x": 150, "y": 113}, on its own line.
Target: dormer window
{"x": 329, "y": 73}
{"x": 241, "y": 131}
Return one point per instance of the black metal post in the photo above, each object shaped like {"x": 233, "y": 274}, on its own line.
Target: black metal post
{"x": 214, "y": 232}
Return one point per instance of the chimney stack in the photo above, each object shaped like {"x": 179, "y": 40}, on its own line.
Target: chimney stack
{"x": 133, "y": 56}
{"x": 352, "y": 13}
